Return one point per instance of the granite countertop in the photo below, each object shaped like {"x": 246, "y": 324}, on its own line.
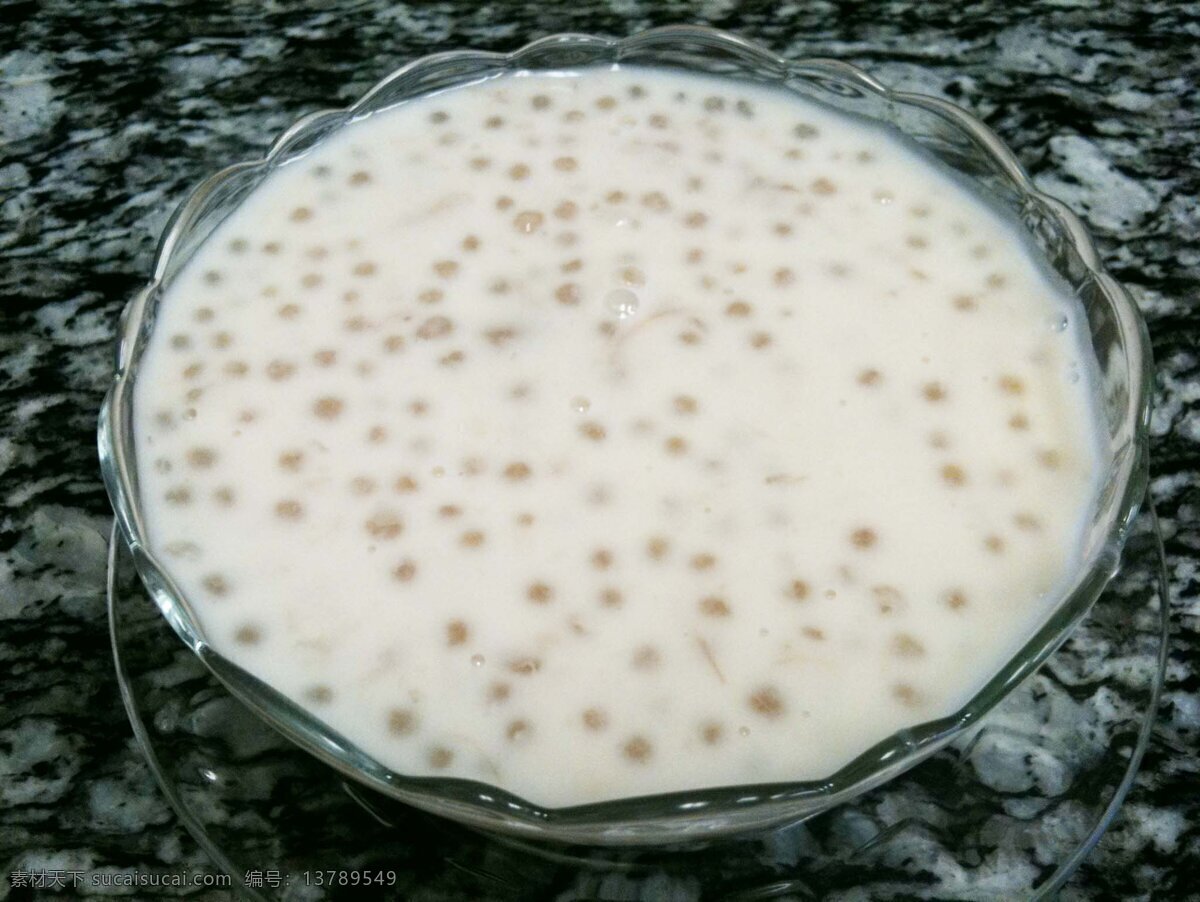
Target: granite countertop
{"x": 110, "y": 113}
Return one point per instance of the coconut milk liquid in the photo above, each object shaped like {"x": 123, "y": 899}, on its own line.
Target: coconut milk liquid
{"x": 616, "y": 432}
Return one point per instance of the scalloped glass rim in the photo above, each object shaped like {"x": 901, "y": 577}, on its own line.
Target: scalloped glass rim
{"x": 691, "y": 815}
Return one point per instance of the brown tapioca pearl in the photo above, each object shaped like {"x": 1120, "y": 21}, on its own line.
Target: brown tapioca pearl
{"x": 472, "y": 466}
{"x": 402, "y": 721}
{"x": 933, "y": 392}
{"x": 479, "y": 163}
{"x": 637, "y": 749}
{"x": 201, "y": 458}
{"x": 271, "y": 248}
{"x": 714, "y": 606}
{"x": 504, "y": 202}
{"x": 539, "y": 593}
{"x": 204, "y": 315}
{"x": 248, "y": 634}
{"x": 611, "y": 598}
{"x": 239, "y": 246}
{"x": 525, "y": 520}
{"x": 215, "y": 584}
{"x": 676, "y": 446}
{"x": 520, "y": 391}
{"x": 995, "y": 280}
{"x": 616, "y": 197}
{"x": 278, "y": 370}
{"x": 291, "y": 461}
{"x": 1027, "y": 522}
{"x": 518, "y": 731}
{"x": 472, "y": 538}
{"x": 714, "y": 104}
{"x": 906, "y": 694}
{"x": 738, "y": 310}
{"x": 359, "y": 178}
{"x": 493, "y": 122}
{"x": 566, "y": 164}
{"x": 440, "y": 757}
{"x": 499, "y": 692}
{"x": 917, "y": 242}
{"x": 566, "y": 210}
{"x": 703, "y": 561}
{"x": 317, "y": 252}
{"x": 519, "y": 172}
{"x": 905, "y": 645}
{"x": 766, "y": 701}
{"x": 325, "y": 358}
{"x": 887, "y": 598}
{"x": 646, "y": 658}
{"x": 965, "y": 303}
{"x": 405, "y": 485}
{"x": 435, "y": 327}
{"x": 658, "y": 120}
{"x": 783, "y": 277}
{"x": 760, "y": 340}
{"x": 224, "y": 496}
{"x": 694, "y": 255}
{"x": 631, "y": 275}
{"x": 449, "y": 511}
{"x": 823, "y": 186}
{"x": 685, "y": 405}
{"x": 657, "y": 548}
{"x": 869, "y": 377}
{"x": 301, "y": 214}
{"x": 181, "y": 342}
{"x": 446, "y": 269}
{"x": 864, "y": 538}
{"x": 607, "y": 102}
{"x": 602, "y": 558}
{"x": 812, "y": 632}
{"x": 1011, "y": 385}
{"x": 525, "y": 666}
{"x": 405, "y": 571}
{"x": 540, "y": 102}
{"x": 595, "y": 719}
{"x": 1050, "y": 459}
{"x": 689, "y": 337}
{"x": 431, "y": 296}
{"x": 393, "y": 344}
{"x": 695, "y": 219}
{"x": 499, "y": 337}
{"x": 567, "y": 239}
{"x": 365, "y": 268}
{"x": 994, "y": 543}
{"x": 194, "y": 394}
{"x": 955, "y": 599}
{"x": 362, "y": 485}
{"x": 319, "y": 695}
{"x": 192, "y": 370}
{"x": 457, "y": 633}
{"x": 798, "y": 590}
{"x": 289, "y": 509}
{"x": 528, "y": 221}
{"x": 438, "y": 117}
{"x": 311, "y": 279}
{"x": 328, "y": 408}
{"x": 180, "y": 495}
{"x": 1019, "y": 422}
{"x": 288, "y": 311}
{"x": 418, "y": 408}
{"x": 593, "y": 431}
{"x": 607, "y": 329}
{"x": 953, "y": 475}
{"x": 939, "y": 440}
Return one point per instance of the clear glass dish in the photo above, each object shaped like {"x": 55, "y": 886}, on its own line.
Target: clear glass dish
{"x": 967, "y": 146}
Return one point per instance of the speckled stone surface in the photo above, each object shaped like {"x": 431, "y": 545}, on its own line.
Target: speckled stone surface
{"x": 110, "y": 112}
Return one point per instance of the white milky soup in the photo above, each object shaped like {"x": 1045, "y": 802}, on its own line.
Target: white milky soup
{"x": 615, "y": 433}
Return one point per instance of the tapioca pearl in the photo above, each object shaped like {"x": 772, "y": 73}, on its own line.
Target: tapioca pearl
{"x": 823, "y": 187}
{"x": 212, "y": 277}
{"x": 472, "y": 538}
{"x": 362, "y": 485}
{"x": 224, "y": 496}
{"x": 221, "y": 340}
{"x": 996, "y": 280}
{"x": 288, "y": 311}
{"x": 358, "y": 178}
{"x": 994, "y": 543}
{"x": 760, "y": 340}
{"x": 1010, "y": 385}
{"x": 236, "y": 369}
{"x": 632, "y": 276}
{"x": 566, "y": 210}
{"x": 954, "y": 599}
{"x": 566, "y": 164}
{"x": 694, "y": 256}
{"x": 179, "y": 495}
{"x": 816, "y": 634}
{"x": 637, "y": 749}
{"x": 1018, "y": 422}
{"x": 525, "y": 519}
{"x": 738, "y": 310}
{"x": 193, "y": 370}
{"x": 272, "y": 248}
{"x": 405, "y": 571}
{"x": 798, "y": 590}
{"x": 518, "y": 731}
{"x": 539, "y": 593}
{"x": 616, "y": 196}
{"x": 204, "y": 315}
{"x": 446, "y": 269}
{"x": 657, "y": 548}
{"x": 594, "y": 719}
{"x": 906, "y": 695}
{"x": 181, "y": 342}
{"x": 916, "y": 241}
{"x": 676, "y": 446}
{"x": 418, "y": 407}
{"x": 518, "y": 172}
{"x": 703, "y": 561}
{"x": 318, "y": 695}
{"x": 328, "y": 407}
{"x": 593, "y": 431}
{"x": 1027, "y": 522}
{"x": 646, "y": 658}
{"x": 933, "y": 392}
{"x": 406, "y": 484}
{"x": 365, "y": 268}
{"x": 939, "y": 440}
{"x": 1050, "y": 458}
{"x": 715, "y": 606}
{"x": 767, "y": 702}
{"x": 201, "y": 458}
{"x": 864, "y": 538}
{"x": 602, "y": 558}
{"x": 435, "y": 327}
{"x": 248, "y": 634}
{"x": 278, "y": 370}
{"x": 194, "y": 394}
{"x": 905, "y": 645}
{"x": 783, "y": 277}
{"x": 216, "y": 584}
{"x": 869, "y": 377}
{"x": 528, "y": 221}
{"x": 479, "y": 163}
{"x": 449, "y": 511}
{"x": 472, "y": 466}
{"x": 439, "y": 117}
{"x": 316, "y": 252}
{"x": 696, "y": 219}
{"x": 499, "y": 691}
{"x": 431, "y": 296}
{"x": 311, "y": 280}
{"x": 526, "y": 665}
{"x": 289, "y": 509}
{"x": 953, "y": 475}
{"x": 611, "y": 598}
{"x": 888, "y": 599}
{"x": 685, "y": 405}
{"x": 566, "y": 239}
{"x": 457, "y": 633}
{"x": 504, "y": 202}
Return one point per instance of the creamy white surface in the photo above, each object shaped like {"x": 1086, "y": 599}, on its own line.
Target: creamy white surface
{"x": 887, "y": 452}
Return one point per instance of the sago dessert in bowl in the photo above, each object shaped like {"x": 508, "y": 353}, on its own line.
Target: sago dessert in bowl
{"x": 590, "y": 430}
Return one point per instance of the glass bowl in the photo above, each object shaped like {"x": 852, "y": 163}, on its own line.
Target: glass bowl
{"x": 1118, "y": 340}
